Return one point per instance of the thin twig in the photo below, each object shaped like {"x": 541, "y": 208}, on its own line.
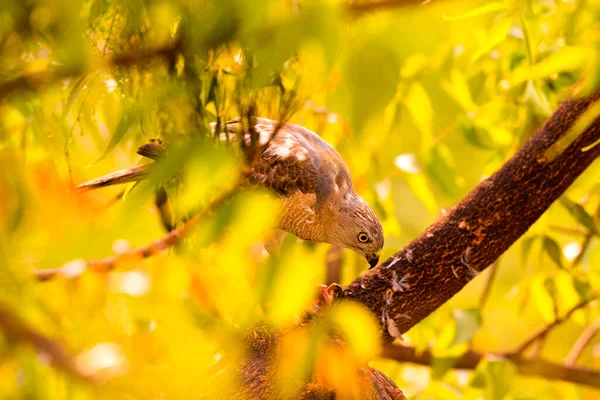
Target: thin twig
{"x": 581, "y": 343}
{"x": 539, "y": 345}
{"x": 545, "y": 329}
{"x": 362, "y": 7}
{"x": 15, "y": 327}
{"x": 569, "y": 231}
{"x": 524, "y": 365}
{"x": 77, "y": 267}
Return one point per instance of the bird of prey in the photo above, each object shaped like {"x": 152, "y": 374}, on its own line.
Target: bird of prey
{"x": 319, "y": 203}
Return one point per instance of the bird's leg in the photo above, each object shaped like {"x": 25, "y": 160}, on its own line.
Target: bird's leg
{"x": 273, "y": 242}
{"x": 327, "y": 294}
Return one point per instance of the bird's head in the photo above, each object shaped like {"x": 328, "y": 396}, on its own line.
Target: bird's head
{"x": 357, "y": 228}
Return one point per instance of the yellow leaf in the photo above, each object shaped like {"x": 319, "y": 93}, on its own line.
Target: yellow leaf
{"x": 418, "y": 185}
{"x": 38, "y": 65}
{"x": 294, "y": 360}
{"x": 338, "y": 370}
{"x": 458, "y": 89}
{"x": 421, "y": 111}
{"x": 414, "y": 65}
{"x": 359, "y": 329}
{"x": 542, "y": 300}
{"x": 568, "y": 59}
{"x": 294, "y": 288}
{"x": 496, "y": 35}
{"x": 486, "y": 9}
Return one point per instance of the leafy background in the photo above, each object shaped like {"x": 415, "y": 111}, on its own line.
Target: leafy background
{"x": 422, "y": 102}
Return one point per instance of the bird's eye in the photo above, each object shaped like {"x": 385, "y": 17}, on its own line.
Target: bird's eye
{"x": 363, "y": 237}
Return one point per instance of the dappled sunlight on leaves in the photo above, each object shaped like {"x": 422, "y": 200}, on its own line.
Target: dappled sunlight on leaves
{"x": 421, "y": 102}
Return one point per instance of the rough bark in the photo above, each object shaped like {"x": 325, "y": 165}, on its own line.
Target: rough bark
{"x": 472, "y": 235}
{"x": 436, "y": 265}
{"x": 258, "y": 376}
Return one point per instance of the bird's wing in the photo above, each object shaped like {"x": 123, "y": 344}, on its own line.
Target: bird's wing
{"x": 293, "y": 160}
{"x": 296, "y": 159}
{"x": 116, "y": 178}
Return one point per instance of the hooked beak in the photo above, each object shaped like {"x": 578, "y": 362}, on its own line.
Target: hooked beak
{"x": 373, "y": 259}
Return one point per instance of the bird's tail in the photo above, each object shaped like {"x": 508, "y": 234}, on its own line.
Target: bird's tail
{"x": 134, "y": 174}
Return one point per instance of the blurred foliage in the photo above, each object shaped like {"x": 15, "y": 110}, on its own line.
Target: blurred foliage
{"x": 422, "y": 103}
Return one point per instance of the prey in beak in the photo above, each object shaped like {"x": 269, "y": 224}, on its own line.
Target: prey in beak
{"x": 373, "y": 259}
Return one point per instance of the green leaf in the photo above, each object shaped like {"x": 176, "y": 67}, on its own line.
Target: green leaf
{"x": 553, "y": 250}
{"x": 487, "y": 9}
{"x": 440, "y": 166}
{"x": 476, "y": 136}
{"x": 567, "y": 59}
{"x": 499, "y": 376}
{"x": 580, "y": 214}
{"x": 582, "y": 287}
{"x": 536, "y": 97}
{"x": 468, "y": 322}
{"x": 122, "y": 128}
{"x": 74, "y": 93}
{"x": 441, "y": 365}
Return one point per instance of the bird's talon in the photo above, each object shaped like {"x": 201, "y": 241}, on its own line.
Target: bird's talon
{"x": 335, "y": 290}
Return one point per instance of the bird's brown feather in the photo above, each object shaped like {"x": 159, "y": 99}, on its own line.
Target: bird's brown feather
{"x": 295, "y": 160}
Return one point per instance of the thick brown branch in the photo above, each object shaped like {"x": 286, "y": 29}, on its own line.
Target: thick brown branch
{"x": 14, "y": 327}
{"x": 77, "y": 267}
{"x": 543, "y": 331}
{"x": 437, "y": 264}
{"x": 525, "y": 366}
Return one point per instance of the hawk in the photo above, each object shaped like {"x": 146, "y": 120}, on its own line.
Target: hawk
{"x": 319, "y": 203}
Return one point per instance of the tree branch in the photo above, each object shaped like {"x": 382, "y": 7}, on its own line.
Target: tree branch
{"x": 436, "y": 265}
{"x": 77, "y": 267}
{"x": 543, "y": 331}
{"x": 363, "y": 7}
{"x": 524, "y": 365}
{"x": 14, "y": 327}
{"x": 570, "y": 231}
{"x": 582, "y": 342}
